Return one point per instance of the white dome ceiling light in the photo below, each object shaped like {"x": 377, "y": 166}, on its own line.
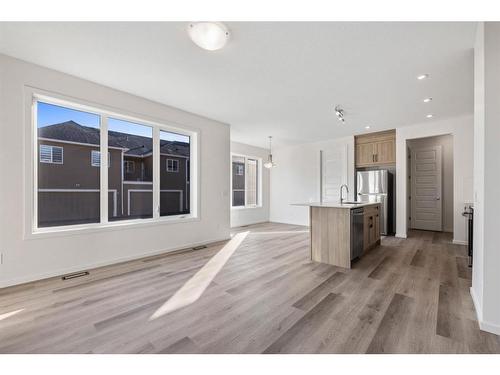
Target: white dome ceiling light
{"x": 208, "y": 35}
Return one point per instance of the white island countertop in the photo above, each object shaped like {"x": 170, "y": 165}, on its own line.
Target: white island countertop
{"x": 335, "y": 204}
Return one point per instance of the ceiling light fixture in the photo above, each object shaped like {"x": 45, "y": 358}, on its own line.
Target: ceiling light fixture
{"x": 367, "y": 127}
{"x": 340, "y": 113}
{"x": 422, "y": 76}
{"x": 429, "y": 116}
{"x": 427, "y": 100}
{"x": 208, "y": 35}
{"x": 269, "y": 163}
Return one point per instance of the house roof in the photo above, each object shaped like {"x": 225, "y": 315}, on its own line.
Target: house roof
{"x": 134, "y": 145}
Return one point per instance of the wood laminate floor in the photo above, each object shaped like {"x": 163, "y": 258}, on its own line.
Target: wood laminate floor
{"x": 406, "y": 296}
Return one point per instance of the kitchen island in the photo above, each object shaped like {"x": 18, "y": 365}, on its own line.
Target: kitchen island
{"x": 341, "y": 232}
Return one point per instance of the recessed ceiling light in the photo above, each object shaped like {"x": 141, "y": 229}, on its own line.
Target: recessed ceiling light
{"x": 208, "y": 35}
{"x": 427, "y": 100}
{"x": 429, "y": 116}
{"x": 422, "y": 76}
{"x": 367, "y": 127}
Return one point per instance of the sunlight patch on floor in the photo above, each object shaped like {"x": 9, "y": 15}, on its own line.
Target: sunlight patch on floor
{"x": 196, "y": 285}
{"x": 9, "y": 314}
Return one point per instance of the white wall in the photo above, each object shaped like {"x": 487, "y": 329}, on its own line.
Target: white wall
{"x": 446, "y": 142}
{"x": 462, "y": 130}
{"x": 486, "y": 275}
{"x": 246, "y": 216}
{"x": 49, "y": 255}
{"x": 296, "y": 179}
{"x": 477, "y": 265}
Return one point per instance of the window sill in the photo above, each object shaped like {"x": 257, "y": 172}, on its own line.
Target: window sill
{"x": 237, "y": 208}
{"x": 110, "y": 226}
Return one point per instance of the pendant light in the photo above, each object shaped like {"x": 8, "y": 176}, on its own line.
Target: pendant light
{"x": 269, "y": 163}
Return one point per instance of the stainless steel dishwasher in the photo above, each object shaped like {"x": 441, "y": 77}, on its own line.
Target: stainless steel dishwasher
{"x": 357, "y": 215}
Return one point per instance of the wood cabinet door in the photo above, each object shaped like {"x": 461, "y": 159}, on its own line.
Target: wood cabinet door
{"x": 385, "y": 152}
{"x": 366, "y": 231}
{"x": 376, "y": 227}
{"x": 365, "y": 154}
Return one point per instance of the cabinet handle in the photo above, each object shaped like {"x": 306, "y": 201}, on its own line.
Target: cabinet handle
{"x": 373, "y": 158}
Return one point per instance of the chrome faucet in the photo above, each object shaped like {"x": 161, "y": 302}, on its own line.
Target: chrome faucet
{"x": 341, "y": 190}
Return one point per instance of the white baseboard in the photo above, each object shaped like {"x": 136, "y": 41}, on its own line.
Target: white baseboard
{"x": 401, "y": 235}
{"x": 65, "y": 271}
{"x": 483, "y": 325}
{"x": 459, "y": 242}
{"x": 477, "y": 307}
{"x": 250, "y": 223}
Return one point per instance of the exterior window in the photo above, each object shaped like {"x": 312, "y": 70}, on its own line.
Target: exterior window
{"x": 134, "y": 195}
{"x": 68, "y": 194}
{"x": 95, "y": 158}
{"x": 51, "y": 154}
{"x": 174, "y": 187}
{"x": 172, "y": 165}
{"x": 129, "y": 166}
{"x": 245, "y": 181}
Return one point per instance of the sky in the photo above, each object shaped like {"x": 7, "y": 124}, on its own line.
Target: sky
{"x": 49, "y": 114}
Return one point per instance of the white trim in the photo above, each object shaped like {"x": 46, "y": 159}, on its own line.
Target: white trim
{"x": 128, "y": 182}
{"x": 483, "y": 325}
{"x": 92, "y": 266}
{"x": 52, "y": 147}
{"x": 33, "y": 95}
{"x": 401, "y": 235}
{"x": 104, "y": 171}
{"x": 78, "y": 143}
{"x": 135, "y": 191}
{"x": 259, "y": 181}
{"x": 156, "y": 173}
{"x": 459, "y": 242}
{"x": 174, "y": 162}
{"x": 127, "y": 169}
{"x": 181, "y": 196}
{"x": 175, "y": 156}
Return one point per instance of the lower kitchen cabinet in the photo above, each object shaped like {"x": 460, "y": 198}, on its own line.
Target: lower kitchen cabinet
{"x": 371, "y": 228}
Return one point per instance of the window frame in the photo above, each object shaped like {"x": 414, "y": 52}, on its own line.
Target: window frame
{"x": 92, "y": 159}
{"x": 51, "y": 155}
{"x": 259, "y": 181}
{"x": 174, "y": 162}
{"x": 129, "y": 162}
{"x": 33, "y": 96}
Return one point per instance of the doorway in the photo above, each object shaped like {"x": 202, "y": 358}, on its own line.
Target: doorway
{"x": 430, "y": 187}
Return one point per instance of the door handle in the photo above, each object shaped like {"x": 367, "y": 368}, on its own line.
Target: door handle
{"x": 438, "y": 198}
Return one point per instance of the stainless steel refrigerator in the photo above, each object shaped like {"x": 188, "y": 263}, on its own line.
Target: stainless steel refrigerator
{"x": 376, "y": 186}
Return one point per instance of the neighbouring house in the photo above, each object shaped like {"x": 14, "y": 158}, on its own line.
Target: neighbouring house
{"x": 69, "y": 175}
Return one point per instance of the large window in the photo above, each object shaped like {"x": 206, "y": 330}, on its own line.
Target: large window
{"x": 174, "y": 154}
{"x": 68, "y": 186}
{"x": 245, "y": 181}
{"x": 73, "y": 188}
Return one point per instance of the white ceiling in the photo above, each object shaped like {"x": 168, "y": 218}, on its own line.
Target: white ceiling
{"x": 273, "y": 78}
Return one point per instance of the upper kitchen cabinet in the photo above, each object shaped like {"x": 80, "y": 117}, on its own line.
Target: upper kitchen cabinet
{"x": 376, "y": 149}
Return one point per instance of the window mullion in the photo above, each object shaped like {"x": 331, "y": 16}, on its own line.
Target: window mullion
{"x": 156, "y": 172}
{"x": 103, "y": 168}
{"x": 245, "y": 168}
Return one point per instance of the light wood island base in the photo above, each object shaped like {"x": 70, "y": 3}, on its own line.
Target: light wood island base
{"x": 331, "y": 232}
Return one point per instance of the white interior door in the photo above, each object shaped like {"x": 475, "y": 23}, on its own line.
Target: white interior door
{"x": 426, "y": 202}
{"x": 333, "y": 172}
